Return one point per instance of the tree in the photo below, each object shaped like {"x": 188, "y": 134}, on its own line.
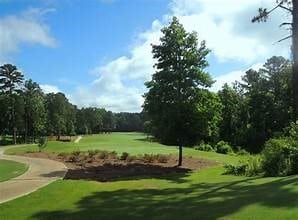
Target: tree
{"x": 58, "y": 114}
{"x": 291, "y": 6}
{"x": 35, "y": 112}
{"x": 10, "y": 82}
{"x": 174, "y": 91}
{"x": 230, "y": 101}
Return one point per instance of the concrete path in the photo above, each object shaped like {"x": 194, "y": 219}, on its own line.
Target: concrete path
{"x": 41, "y": 172}
{"x": 78, "y": 139}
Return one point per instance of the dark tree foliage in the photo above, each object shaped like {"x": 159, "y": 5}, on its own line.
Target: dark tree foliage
{"x": 259, "y": 107}
{"x": 10, "y": 84}
{"x": 290, "y": 6}
{"x": 174, "y": 91}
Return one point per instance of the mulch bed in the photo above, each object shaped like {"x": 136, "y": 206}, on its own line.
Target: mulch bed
{"x": 84, "y": 167}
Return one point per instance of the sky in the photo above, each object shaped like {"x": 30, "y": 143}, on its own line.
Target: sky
{"x": 98, "y": 52}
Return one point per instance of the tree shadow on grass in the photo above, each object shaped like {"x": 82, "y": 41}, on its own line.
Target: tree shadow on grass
{"x": 197, "y": 201}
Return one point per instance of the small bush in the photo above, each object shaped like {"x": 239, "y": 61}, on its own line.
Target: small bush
{"x": 113, "y": 155}
{"x": 149, "y": 158}
{"x": 76, "y": 153}
{"x": 42, "y": 143}
{"x": 103, "y": 155}
{"x": 130, "y": 158}
{"x": 223, "y": 147}
{"x": 250, "y": 167}
{"x": 161, "y": 158}
{"x": 62, "y": 154}
{"x": 242, "y": 152}
{"x": 92, "y": 153}
{"x": 204, "y": 147}
{"x": 72, "y": 158}
{"x": 293, "y": 132}
{"x": 124, "y": 156}
{"x": 237, "y": 170}
{"x": 254, "y": 166}
{"x": 280, "y": 157}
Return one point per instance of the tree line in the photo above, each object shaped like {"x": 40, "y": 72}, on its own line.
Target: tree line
{"x": 181, "y": 110}
{"x": 27, "y": 113}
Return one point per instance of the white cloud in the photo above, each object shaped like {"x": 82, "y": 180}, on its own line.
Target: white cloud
{"x": 49, "y": 88}
{"x": 26, "y": 28}
{"x": 231, "y": 77}
{"x": 226, "y": 27}
{"x": 120, "y": 83}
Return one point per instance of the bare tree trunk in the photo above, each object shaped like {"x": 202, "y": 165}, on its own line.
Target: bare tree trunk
{"x": 295, "y": 57}
{"x": 180, "y": 156}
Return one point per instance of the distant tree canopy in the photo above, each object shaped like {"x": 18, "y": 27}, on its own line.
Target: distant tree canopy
{"x": 259, "y": 107}
{"x": 27, "y": 113}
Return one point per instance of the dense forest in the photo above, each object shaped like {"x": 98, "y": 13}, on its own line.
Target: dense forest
{"x": 27, "y": 113}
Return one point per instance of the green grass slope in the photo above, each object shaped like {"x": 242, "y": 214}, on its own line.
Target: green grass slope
{"x": 10, "y": 169}
{"x": 205, "y": 194}
{"x": 133, "y": 143}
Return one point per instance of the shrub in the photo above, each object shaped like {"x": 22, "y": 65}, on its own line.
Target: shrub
{"x": 242, "y": 152}
{"x": 293, "y": 132}
{"x": 42, "y": 143}
{"x": 124, "y": 156}
{"x": 250, "y": 167}
{"x": 113, "y": 155}
{"x": 91, "y": 153}
{"x": 204, "y": 147}
{"x": 71, "y": 158}
{"x": 149, "y": 158}
{"x": 62, "y": 154}
{"x": 280, "y": 157}
{"x": 161, "y": 158}
{"x": 237, "y": 170}
{"x": 76, "y": 153}
{"x": 254, "y": 166}
{"x": 223, "y": 147}
{"x": 103, "y": 154}
{"x": 131, "y": 158}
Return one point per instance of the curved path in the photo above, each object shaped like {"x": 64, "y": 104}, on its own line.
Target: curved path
{"x": 41, "y": 172}
{"x": 77, "y": 140}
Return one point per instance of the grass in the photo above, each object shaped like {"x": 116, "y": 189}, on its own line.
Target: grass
{"x": 133, "y": 143}
{"x": 206, "y": 194}
{"x": 10, "y": 169}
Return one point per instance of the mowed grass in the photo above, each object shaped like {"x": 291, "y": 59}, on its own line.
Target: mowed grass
{"x": 205, "y": 194}
{"x": 10, "y": 169}
{"x": 133, "y": 143}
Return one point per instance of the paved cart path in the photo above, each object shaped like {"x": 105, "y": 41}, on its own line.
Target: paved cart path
{"x": 41, "y": 172}
{"x": 78, "y": 139}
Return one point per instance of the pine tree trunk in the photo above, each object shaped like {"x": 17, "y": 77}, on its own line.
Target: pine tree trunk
{"x": 295, "y": 57}
{"x": 180, "y": 156}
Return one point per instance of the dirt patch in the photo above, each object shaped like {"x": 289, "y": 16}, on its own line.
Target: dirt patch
{"x": 83, "y": 166}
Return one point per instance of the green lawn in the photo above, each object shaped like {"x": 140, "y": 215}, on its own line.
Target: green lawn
{"x": 206, "y": 194}
{"x": 10, "y": 169}
{"x": 133, "y": 143}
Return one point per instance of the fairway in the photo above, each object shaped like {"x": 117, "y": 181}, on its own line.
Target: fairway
{"x": 10, "y": 169}
{"x": 205, "y": 194}
{"x": 133, "y": 143}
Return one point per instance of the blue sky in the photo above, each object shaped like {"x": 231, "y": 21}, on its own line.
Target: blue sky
{"x": 98, "y": 51}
